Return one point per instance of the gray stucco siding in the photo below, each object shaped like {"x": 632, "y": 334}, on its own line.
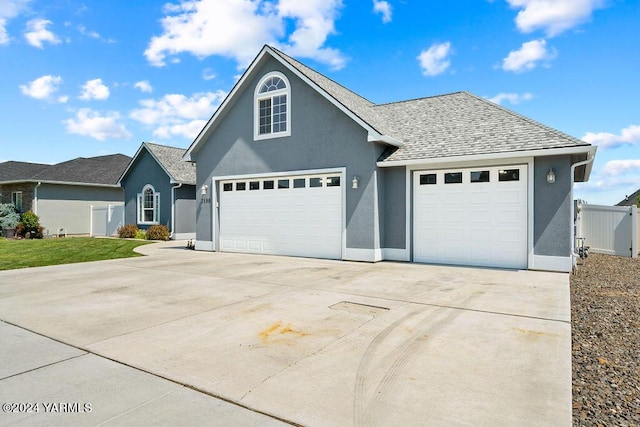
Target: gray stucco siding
{"x": 394, "y": 208}
{"x": 145, "y": 170}
{"x": 69, "y": 206}
{"x": 552, "y": 207}
{"x": 322, "y": 137}
{"x": 185, "y": 209}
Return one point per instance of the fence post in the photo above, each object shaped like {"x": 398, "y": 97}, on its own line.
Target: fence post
{"x": 634, "y": 230}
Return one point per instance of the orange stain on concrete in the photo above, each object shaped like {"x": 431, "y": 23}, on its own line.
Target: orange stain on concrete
{"x": 277, "y": 328}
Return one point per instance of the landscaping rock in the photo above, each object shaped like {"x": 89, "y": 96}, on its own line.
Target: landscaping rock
{"x": 605, "y": 318}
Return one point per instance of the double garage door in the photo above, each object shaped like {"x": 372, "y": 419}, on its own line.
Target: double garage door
{"x": 471, "y": 216}
{"x": 297, "y": 215}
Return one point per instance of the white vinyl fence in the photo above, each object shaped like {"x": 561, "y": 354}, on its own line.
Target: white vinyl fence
{"x": 105, "y": 220}
{"x": 609, "y": 230}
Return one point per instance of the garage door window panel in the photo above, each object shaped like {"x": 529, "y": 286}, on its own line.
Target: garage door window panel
{"x": 428, "y": 179}
{"x": 479, "y": 176}
{"x": 453, "y": 178}
{"x": 505, "y": 175}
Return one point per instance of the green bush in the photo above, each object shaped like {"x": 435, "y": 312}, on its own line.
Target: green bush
{"x": 127, "y": 231}
{"x": 29, "y": 226}
{"x": 158, "y": 232}
{"x": 141, "y": 234}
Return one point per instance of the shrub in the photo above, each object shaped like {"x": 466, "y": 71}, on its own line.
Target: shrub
{"x": 141, "y": 235}
{"x": 158, "y": 232}
{"x": 29, "y": 226}
{"x": 9, "y": 218}
{"x": 127, "y": 231}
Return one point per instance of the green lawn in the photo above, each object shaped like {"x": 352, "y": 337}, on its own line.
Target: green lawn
{"x": 39, "y": 252}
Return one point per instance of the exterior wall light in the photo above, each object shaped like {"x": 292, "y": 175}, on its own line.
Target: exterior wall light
{"x": 354, "y": 182}
{"x": 203, "y": 189}
{"x": 551, "y": 176}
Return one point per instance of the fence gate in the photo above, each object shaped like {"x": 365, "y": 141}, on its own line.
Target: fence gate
{"x": 609, "y": 230}
{"x": 105, "y": 220}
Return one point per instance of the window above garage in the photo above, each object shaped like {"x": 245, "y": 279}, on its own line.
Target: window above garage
{"x": 272, "y": 101}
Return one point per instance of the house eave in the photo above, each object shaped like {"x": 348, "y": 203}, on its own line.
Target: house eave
{"x": 44, "y": 181}
{"x": 582, "y": 149}
{"x": 385, "y": 139}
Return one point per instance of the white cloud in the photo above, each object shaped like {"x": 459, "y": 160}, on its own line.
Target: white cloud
{"x": 83, "y": 30}
{"x": 314, "y": 21}
{"x": 42, "y": 87}
{"x": 628, "y": 136}
{"x": 37, "y": 33}
{"x": 434, "y": 60}
{"x": 238, "y": 29}
{"x": 553, "y": 16}
{"x": 176, "y": 114}
{"x": 528, "y": 56}
{"x": 188, "y": 130}
{"x": 94, "y": 89}
{"x": 383, "y": 8}
{"x": 621, "y": 167}
{"x": 144, "y": 86}
{"x": 208, "y": 74}
{"x": 512, "y": 98}
{"x": 9, "y": 9}
{"x": 90, "y": 123}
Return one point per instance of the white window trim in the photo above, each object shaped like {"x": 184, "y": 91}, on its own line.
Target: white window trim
{"x": 256, "y": 106}
{"x": 140, "y": 204}
{"x": 14, "y": 200}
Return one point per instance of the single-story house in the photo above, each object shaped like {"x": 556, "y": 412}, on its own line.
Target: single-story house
{"x": 293, "y": 163}
{"x": 633, "y": 199}
{"x": 63, "y": 194}
{"x": 159, "y": 188}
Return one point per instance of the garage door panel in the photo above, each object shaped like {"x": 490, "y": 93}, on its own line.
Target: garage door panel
{"x": 303, "y": 221}
{"x": 474, "y": 223}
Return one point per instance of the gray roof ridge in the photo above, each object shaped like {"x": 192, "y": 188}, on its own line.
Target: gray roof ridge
{"x": 317, "y": 72}
{"x": 164, "y": 145}
{"x": 526, "y": 119}
{"x": 419, "y": 99}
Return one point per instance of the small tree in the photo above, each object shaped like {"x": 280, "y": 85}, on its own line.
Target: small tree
{"x": 9, "y": 218}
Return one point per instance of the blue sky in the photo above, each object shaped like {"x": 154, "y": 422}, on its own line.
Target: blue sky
{"x": 81, "y": 79}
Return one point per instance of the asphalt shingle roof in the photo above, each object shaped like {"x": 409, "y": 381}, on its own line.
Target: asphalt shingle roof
{"x": 449, "y": 125}
{"x": 171, "y": 159}
{"x": 103, "y": 170}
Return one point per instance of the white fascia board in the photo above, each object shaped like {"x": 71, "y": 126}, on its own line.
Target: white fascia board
{"x": 377, "y": 137}
{"x": 135, "y": 156}
{"x": 489, "y": 157}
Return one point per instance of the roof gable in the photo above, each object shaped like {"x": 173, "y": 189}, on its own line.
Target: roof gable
{"x": 630, "y": 200}
{"x": 170, "y": 160}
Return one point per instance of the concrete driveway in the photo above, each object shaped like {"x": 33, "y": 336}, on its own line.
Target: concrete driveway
{"x": 317, "y": 342}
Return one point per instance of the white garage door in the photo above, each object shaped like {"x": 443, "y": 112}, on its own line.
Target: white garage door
{"x": 471, "y": 216}
{"x": 295, "y": 215}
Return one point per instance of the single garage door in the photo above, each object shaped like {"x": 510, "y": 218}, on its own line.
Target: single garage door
{"x": 293, "y": 215}
{"x": 471, "y": 216}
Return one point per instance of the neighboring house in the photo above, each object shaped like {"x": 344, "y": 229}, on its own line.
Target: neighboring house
{"x": 62, "y": 194}
{"x": 631, "y": 200}
{"x": 159, "y": 188}
{"x": 293, "y": 163}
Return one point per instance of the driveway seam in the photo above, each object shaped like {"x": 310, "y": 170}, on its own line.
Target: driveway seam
{"x": 189, "y": 386}
{"x": 365, "y": 296}
{"x": 42, "y": 366}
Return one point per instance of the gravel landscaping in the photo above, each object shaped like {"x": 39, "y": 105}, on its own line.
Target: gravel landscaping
{"x": 605, "y": 313}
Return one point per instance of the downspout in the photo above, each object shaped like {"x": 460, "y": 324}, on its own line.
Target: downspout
{"x": 35, "y": 198}
{"x": 173, "y": 209}
{"x": 590, "y": 158}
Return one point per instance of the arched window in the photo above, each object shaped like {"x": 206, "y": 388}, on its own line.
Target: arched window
{"x": 272, "y": 115}
{"x": 148, "y": 206}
